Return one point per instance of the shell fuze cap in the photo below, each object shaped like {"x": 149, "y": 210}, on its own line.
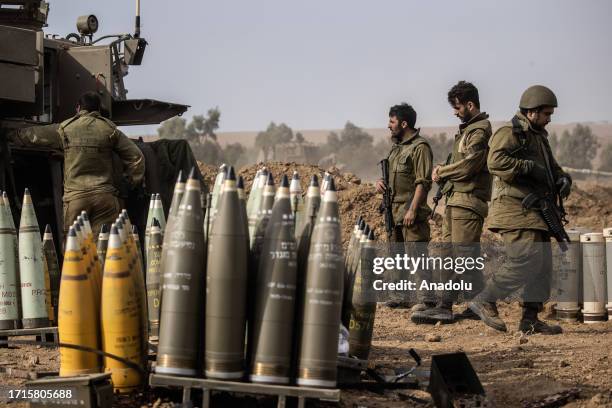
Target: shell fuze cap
{"x": 536, "y": 96}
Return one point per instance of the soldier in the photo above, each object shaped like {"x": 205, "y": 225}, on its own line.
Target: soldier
{"x": 410, "y": 165}
{"x": 88, "y": 141}
{"x": 521, "y": 160}
{"x": 466, "y": 183}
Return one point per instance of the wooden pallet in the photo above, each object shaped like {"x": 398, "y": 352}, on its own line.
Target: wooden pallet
{"x": 43, "y": 334}
{"x": 207, "y": 386}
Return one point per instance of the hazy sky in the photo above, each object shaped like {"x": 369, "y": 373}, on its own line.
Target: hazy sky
{"x": 316, "y": 64}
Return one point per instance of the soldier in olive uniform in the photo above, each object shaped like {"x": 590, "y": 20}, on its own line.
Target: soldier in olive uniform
{"x": 467, "y": 186}
{"x": 88, "y": 141}
{"x": 521, "y": 160}
{"x": 410, "y": 166}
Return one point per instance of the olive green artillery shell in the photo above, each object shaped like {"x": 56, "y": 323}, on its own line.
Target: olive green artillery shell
{"x": 177, "y": 196}
{"x": 251, "y": 195}
{"x": 209, "y": 217}
{"x": 322, "y": 304}
{"x": 304, "y": 232}
{"x": 31, "y": 269}
{"x": 226, "y": 290}
{"x": 9, "y": 272}
{"x": 297, "y": 201}
{"x": 153, "y": 281}
{"x": 311, "y": 208}
{"x": 149, "y": 222}
{"x": 275, "y": 299}
{"x": 54, "y": 272}
{"x": 263, "y": 216}
{"x": 350, "y": 270}
{"x": 362, "y": 312}
{"x": 181, "y": 316}
{"x": 254, "y": 204}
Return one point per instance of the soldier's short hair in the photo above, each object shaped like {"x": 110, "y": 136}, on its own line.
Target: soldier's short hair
{"x": 464, "y": 92}
{"x": 404, "y": 112}
{"x": 90, "y": 101}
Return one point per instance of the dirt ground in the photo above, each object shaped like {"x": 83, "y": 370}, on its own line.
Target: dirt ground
{"x": 515, "y": 370}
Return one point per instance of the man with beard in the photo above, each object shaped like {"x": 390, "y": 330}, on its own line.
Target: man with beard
{"x": 466, "y": 183}
{"x": 410, "y": 165}
{"x": 522, "y": 162}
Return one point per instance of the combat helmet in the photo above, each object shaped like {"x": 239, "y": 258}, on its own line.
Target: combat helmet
{"x": 536, "y": 96}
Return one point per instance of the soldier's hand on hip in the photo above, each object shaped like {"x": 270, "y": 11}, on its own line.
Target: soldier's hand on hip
{"x": 564, "y": 186}
{"x": 409, "y": 217}
{"x": 380, "y": 186}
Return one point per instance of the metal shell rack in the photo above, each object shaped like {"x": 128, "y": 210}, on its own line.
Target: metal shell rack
{"x": 43, "y": 334}
{"x": 207, "y": 386}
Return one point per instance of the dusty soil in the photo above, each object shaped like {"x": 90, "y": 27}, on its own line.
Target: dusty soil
{"x": 515, "y": 370}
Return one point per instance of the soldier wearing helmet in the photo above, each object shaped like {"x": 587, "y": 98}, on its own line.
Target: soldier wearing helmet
{"x": 521, "y": 161}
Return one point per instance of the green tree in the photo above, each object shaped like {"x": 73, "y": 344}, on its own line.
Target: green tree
{"x": 299, "y": 137}
{"x": 353, "y": 136}
{"x": 606, "y": 158}
{"x": 273, "y": 135}
{"x": 172, "y": 128}
{"x": 578, "y": 148}
{"x": 202, "y": 126}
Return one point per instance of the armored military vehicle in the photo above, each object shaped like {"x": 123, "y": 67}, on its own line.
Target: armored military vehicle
{"x": 42, "y": 77}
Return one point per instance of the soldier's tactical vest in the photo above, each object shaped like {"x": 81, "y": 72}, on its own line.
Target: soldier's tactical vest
{"x": 480, "y": 184}
{"x": 88, "y": 144}
{"x": 531, "y": 146}
{"x": 401, "y": 169}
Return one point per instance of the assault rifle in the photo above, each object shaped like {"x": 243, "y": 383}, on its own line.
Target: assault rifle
{"x": 439, "y": 192}
{"x": 385, "y": 206}
{"x": 553, "y": 214}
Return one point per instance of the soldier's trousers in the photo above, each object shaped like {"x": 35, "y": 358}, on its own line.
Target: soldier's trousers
{"x": 528, "y": 264}
{"x": 415, "y": 239}
{"x": 101, "y": 208}
{"x": 461, "y": 231}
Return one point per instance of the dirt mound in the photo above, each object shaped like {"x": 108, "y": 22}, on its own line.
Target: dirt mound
{"x": 590, "y": 206}
{"x": 208, "y": 172}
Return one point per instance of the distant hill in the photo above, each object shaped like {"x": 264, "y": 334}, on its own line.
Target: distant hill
{"x": 603, "y": 130}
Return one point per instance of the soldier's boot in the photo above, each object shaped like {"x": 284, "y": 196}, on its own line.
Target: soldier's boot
{"x": 442, "y": 313}
{"x": 467, "y": 314}
{"x": 397, "y": 304}
{"x": 487, "y": 311}
{"x": 530, "y": 324}
{"x": 419, "y": 307}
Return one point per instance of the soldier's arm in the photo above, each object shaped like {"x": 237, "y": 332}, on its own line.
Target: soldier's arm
{"x": 40, "y": 136}
{"x": 501, "y": 160}
{"x": 423, "y": 165}
{"x": 132, "y": 157}
{"x": 474, "y": 161}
